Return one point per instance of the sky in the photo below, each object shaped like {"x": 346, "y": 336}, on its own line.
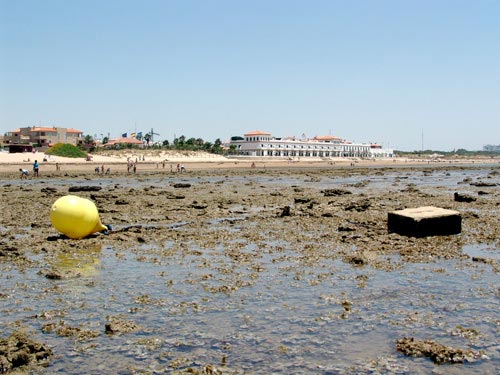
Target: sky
{"x": 411, "y": 75}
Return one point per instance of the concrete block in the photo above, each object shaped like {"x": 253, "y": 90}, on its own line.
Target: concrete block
{"x": 424, "y": 221}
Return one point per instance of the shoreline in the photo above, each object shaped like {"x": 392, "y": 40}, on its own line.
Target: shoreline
{"x": 168, "y": 161}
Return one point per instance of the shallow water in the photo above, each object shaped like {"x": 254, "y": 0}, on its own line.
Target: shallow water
{"x": 382, "y": 177}
{"x": 276, "y": 323}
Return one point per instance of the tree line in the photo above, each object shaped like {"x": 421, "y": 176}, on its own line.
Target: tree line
{"x": 179, "y": 143}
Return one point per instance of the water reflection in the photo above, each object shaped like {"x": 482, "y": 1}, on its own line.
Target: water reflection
{"x": 81, "y": 262}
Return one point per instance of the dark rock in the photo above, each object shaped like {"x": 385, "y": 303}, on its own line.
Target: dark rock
{"x": 483, "y": 184}
{"x": 73, "y": 189}
{"x": 6, "y": 250}
{"x": 356, "y": 260}
{"x": 53, "y": 275}
{"x": 463, "y": 198}
{"x": 360, "y": 206}
{"x": 181, "y": 185}
{"x": 335, "y": 192}
{"x": 199, "y": 206}
{"x": 345, "y": 229}
{"x": 48, "y": 190}
{"x": 286, "y": 211}
{"x": 302, "y": 200}
{"x": 56, "y": 238}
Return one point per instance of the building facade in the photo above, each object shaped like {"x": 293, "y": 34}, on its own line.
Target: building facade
{"x": 259, "y": 143}
{"x": 43, "y": 136}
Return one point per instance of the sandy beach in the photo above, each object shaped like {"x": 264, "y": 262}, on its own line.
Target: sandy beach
{"x": 150, "y": 160}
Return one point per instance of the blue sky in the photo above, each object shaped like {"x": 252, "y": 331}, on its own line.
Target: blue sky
{"x": 367, "y": 71}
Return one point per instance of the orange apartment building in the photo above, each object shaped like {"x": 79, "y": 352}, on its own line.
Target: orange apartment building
{"x": 43, "y": 136}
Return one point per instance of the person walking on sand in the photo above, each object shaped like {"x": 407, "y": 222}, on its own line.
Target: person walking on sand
{"x": 35, "y": 168}
{"x": 24, "y": 173}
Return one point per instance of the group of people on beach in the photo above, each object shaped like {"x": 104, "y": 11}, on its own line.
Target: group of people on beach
{"x": 181, "y": 168}
{"x": 131, "y": 165}
{"x": 25, "y": 173}
{"x": 98, "y": 170}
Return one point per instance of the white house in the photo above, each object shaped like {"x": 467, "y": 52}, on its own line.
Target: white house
{"x": 259, "y": 143}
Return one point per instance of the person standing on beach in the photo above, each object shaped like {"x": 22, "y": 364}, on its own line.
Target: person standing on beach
{"x": 35, "y": 168}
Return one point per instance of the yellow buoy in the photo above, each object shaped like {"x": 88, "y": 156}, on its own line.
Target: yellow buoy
{"x": 76, "y": 217}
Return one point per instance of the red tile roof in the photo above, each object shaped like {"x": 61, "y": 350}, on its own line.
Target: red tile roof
{"x": 326, "y": 138}
{"x": 48, "y": 129}
{"x": 256, "y": 132}
{"x": 124, "y": 140}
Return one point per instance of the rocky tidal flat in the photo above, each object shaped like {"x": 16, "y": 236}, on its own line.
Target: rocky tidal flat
{"x": 252, "y": 271}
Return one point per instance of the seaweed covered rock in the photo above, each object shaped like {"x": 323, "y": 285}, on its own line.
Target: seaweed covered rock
{"x": 18, "y": 351}
{"x": 438, "y": 353}
{"x": 119, "y": 326}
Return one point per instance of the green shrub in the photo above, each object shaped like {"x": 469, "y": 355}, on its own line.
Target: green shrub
{"x": 66, "y": 150}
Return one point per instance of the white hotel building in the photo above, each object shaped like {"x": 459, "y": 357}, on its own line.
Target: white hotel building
{"x": 259, "y": 143}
